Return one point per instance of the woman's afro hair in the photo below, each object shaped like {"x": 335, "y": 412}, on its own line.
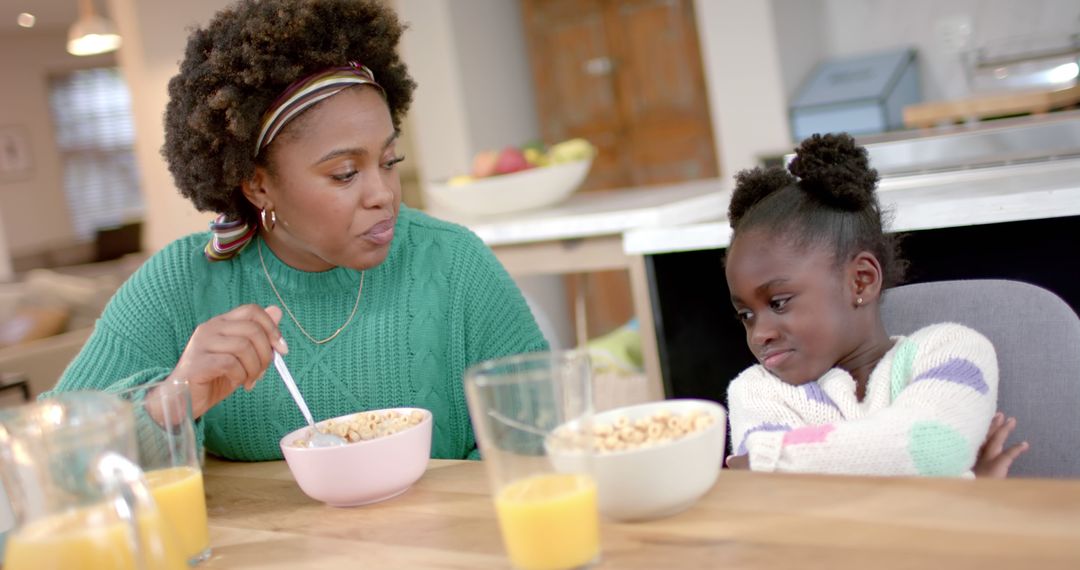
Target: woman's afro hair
{"x": 237, "y": 65}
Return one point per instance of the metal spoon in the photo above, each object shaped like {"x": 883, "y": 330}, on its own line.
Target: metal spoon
{"x": 318, "y": 438}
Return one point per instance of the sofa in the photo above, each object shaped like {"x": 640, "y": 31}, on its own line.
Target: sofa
{"x": 46, "y": 315}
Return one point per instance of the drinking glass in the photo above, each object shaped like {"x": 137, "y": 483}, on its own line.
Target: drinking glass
{"x": 547, "y": 511}
{"x": 171, "y": 457}
{"x": 78, "y": 498}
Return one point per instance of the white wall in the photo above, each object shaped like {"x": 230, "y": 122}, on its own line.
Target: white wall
{"x": 860, "y": 26}
{"x": 155, "y": 34}
{"x": 475, "y": 84}
{"x": 744, "y": 80}
{"x": 820, "y": 29}
{"x": 438, "y": 109}
{"x": 496, "y": 78}
{"x": 34, "y": 207}
{"x": 801, "y": 38}
{"x": 475, "y": 92}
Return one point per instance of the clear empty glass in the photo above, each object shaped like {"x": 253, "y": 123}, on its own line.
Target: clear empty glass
{"x": 547, "y": 509}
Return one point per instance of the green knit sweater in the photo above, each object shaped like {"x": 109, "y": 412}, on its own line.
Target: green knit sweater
{"x": 439, "y": 303}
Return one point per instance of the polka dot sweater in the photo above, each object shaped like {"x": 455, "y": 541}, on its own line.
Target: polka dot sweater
{"x": 439, "y": 303}
{"x": 927, "y": 409}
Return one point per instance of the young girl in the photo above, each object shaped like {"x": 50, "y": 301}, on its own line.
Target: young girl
{"x": 833, "y": 392}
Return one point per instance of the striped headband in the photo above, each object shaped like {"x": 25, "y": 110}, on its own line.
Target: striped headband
{"x": 307, "y": 91}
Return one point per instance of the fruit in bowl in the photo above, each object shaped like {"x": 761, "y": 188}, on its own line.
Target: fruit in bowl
{"x": 387, "y": 451}
{"x": 515, "y": 179}
{"x": 511, "y": 160}
{"x": 571, "y": 150}
{"x": 650, "y": 460}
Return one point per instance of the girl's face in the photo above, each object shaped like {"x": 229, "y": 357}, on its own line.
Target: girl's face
{"x": 333, "y": 184}
{"x": 796, "y": 304}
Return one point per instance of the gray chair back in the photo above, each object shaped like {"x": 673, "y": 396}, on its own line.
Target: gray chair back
{"x": 1037, "y": 339}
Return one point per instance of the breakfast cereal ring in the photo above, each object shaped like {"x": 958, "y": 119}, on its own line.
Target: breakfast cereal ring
{"x": 660, "y": 427}
{"x": 369, "y": 425}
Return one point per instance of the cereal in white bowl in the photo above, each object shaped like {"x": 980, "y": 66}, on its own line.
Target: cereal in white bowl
{"x": 365, "y": 426}
{"x": 643, "y": 475}
{"x": 662, "y": 426}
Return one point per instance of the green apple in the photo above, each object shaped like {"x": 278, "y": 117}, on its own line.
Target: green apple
{"x": 536, "y": 157}
{"x": 571, "y": 150}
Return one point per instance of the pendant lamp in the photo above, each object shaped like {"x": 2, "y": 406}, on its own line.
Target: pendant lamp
{"x": 91, "y": 34}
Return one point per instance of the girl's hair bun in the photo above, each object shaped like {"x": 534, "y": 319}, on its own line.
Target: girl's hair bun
{"x": 752, "y": 186}
{"x": 836, "y": 170}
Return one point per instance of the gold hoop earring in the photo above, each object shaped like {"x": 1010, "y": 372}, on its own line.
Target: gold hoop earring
{"x": 273, "y": 219}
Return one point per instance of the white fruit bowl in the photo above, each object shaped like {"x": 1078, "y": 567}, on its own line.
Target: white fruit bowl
{"x": 516, "y": 192}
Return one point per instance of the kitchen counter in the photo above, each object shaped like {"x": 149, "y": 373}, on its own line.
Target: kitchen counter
{"x": 592, "y": 214}
{"x": 928, "y": 201}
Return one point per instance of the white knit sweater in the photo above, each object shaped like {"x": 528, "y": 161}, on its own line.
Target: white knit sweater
{"x": 927, "y": 408}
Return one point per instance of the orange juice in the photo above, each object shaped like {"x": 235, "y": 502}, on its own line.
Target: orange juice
{"x": 178, "y": 492}
{"x": 90, "y": 538}
{"x": 549, "y": 521}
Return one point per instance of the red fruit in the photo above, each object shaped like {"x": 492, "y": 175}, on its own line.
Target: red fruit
{"x": 483, "y": 164}
{"x": 511, "y": 160}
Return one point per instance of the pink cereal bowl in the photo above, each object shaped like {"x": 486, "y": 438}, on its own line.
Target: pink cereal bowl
{"x": 363, "y": 472}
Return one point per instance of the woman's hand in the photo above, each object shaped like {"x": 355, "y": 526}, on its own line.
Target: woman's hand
{"x": 228, "y": 351}
{"x": 994, "y": 460}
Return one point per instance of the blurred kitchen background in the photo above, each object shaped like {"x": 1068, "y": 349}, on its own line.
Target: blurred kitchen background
{"x": 668, "y": 91}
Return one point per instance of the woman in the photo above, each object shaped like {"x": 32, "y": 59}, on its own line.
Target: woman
{"x": 284, "y": 120}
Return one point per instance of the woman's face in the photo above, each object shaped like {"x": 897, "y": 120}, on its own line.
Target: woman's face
{"x": 333, "y": 184}
{"x": 793, "y": 301}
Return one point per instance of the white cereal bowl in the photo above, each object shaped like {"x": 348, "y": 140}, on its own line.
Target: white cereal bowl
{"x": 515, "y": 192}
{"x": 657, "y": 481}
{"x": 364, "y": 472}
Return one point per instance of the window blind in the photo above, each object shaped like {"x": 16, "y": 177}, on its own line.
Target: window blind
{"x": 95, "y": 136}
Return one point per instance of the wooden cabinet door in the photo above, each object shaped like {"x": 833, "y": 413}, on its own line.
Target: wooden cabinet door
{"x": 666, "y": 131}
{"x": 572, "y": 67}
{"x": 626, "y": 75}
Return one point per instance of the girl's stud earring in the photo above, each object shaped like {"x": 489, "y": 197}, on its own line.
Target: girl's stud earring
{"x": 858, "y": 301}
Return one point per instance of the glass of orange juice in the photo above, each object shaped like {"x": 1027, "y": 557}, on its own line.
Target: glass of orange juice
{"x": 170, "y": 456}
{"x": 547, "y": 514}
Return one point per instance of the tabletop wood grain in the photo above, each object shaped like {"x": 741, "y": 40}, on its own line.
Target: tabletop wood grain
{"x": 259, "y": 518}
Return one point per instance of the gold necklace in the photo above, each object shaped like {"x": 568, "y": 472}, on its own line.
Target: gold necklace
{"x": 293, "y": 317}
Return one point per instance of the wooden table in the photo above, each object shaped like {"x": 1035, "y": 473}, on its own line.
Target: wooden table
{"x": 259, "y": 518}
